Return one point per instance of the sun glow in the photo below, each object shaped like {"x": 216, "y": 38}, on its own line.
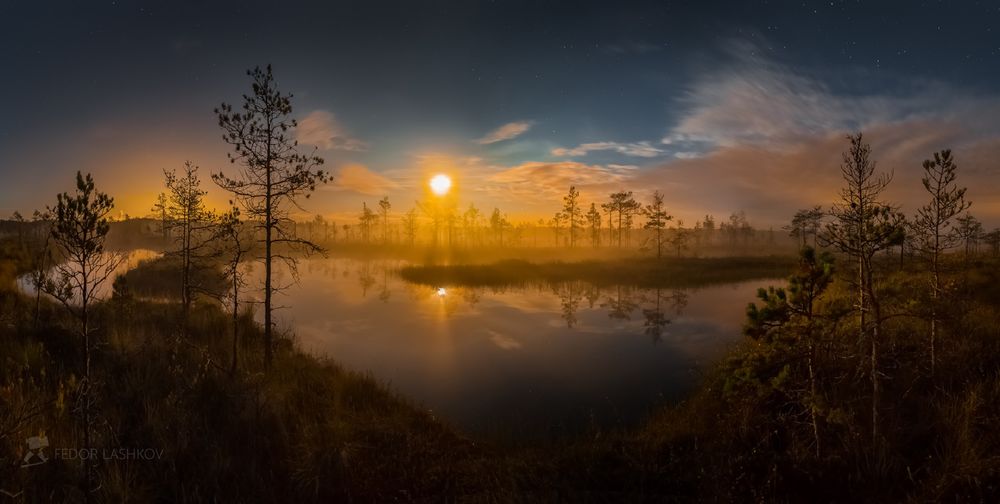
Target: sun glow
{"x": 441, "y": 184}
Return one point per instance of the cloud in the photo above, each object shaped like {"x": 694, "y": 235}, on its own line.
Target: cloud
{"x": 506, "y": 132}
{"x": 536, "y": 184}
{"x": 770, "y": 182}
{"x": 638, "y": 149}
{"x": 757, "y": 101}
{"x": 757, "y": 136}
{"x": 358, "y": 178}
{"x": 321, "y": 129}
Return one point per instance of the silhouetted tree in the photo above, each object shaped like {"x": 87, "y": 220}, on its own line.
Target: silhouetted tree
{"x": 272, "y": 176}
{"x": 193, "y": 228}
{"x": 679, "y": 238}
{"x": 738, "y": 229}
{"x": 792, "y": 312}
{"x": 318, "y": 226}
{"x": 410, "y": 225}
{"x": 993, "y": 240}
{"x": 470, "y": 223}
{"x": 232, "y": 231}
{"x": 708, "y": 229}
{"x": 935, "y": 233}
{"x": 498, "y": 223}
{"x": 806, "y": 222}
{"x": 969, "y": 230}
{"x": 631, "y": 209}
{"x": 160, "y": 210}
{"x": 79, "y": 229}
{"x": 41, "y": 258}
{"x": 383, "y": 209}
{"x": 19, "y": 224}
{"x": 656, "y": 219}
{"x": 624, "y": 207}
{"x": 366, "y": 220}
{"x": 594, "y": 221}
{"x": 572, "y": 214}
{"x": 556, "y": 223}
{"x": 862, "y": 225}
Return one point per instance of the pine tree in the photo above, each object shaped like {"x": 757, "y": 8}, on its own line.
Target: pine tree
{"x": 383, "y": 208}
{"x": 935, "y": 232}
{"x": 572, "y": 214}
{"x": 656, "y": 219}
{"x": 273, "y": 175}
{"x": 193, "y": 227}
{"x": 788, "y": 316}
{"x": 594, "y": 220}
{"x": 862, "y": 225}
{"x": 79, "y": 229}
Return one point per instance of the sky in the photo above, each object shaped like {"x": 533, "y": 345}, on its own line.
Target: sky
{"x": 723, "y": 106}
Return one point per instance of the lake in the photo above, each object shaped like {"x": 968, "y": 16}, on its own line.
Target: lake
{"x": 539, "y": 360}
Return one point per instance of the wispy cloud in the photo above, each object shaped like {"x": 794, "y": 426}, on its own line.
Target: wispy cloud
{"x": 757, "y": 101}
{"x": 537, "y": 182}
{"x": 321, "y": 129}
{"x": 358, "y": 178}
{"x": 768, "y": 140}
{"x": 506, "y": 132}
{"x": 637, "y": 149}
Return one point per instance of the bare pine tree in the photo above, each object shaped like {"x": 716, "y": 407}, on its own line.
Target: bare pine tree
{"x": 237, "y": 245}
{"x": 572, "y": 214}
{"x": 383, "y": 208}
{"x": 193, "y": 227}
{"x": 410, "y": 226}
{"x": 594, "y": 220}
{"x": 861, "y": 226}
{"x": 656, "y": 219}
{"x": 79, "y": 229}
{"x": 273, "y": 175}
{"x": 806, "y": 222}
{"x": 160, "y": 209}
{"x": 935, "y": 232}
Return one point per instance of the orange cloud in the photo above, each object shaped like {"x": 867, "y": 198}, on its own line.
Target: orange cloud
{"x": 506, "y": 132}
{"x": 358, "y": 178}
{"x": 321, "y": 129}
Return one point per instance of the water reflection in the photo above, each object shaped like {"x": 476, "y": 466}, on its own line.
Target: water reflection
{"x": 534, "y": 359}
{"x": 620, "y": 303}
{"x": 656, "y": 315}
{"x": 132, "y": 259}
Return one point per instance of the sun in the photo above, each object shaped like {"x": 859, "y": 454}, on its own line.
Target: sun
{"x": 441, "y": 184}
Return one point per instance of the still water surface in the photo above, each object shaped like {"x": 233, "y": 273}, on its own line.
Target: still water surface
{"x": 543, "y": 360}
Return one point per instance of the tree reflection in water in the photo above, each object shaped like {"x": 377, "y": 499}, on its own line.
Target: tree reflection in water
{"x": 621, "y": 304}
{"x": 656, "y": 318}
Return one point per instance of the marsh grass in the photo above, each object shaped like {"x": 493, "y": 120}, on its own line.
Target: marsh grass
{"x": 308, "y": 430}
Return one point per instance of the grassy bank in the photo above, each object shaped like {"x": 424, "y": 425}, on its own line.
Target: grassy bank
{"x": 304, "y": 431}
{"x": 308, "y": 430}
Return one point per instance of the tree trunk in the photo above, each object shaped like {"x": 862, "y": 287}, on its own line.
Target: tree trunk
{"x": 236, "y": 322}
{"x": 812, "y": 391}
{"x": 268, "y": 224}
{"x": 88, "y": 477}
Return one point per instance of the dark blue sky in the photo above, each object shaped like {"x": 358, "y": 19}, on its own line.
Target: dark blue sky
{"x": 125, "y": 89}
